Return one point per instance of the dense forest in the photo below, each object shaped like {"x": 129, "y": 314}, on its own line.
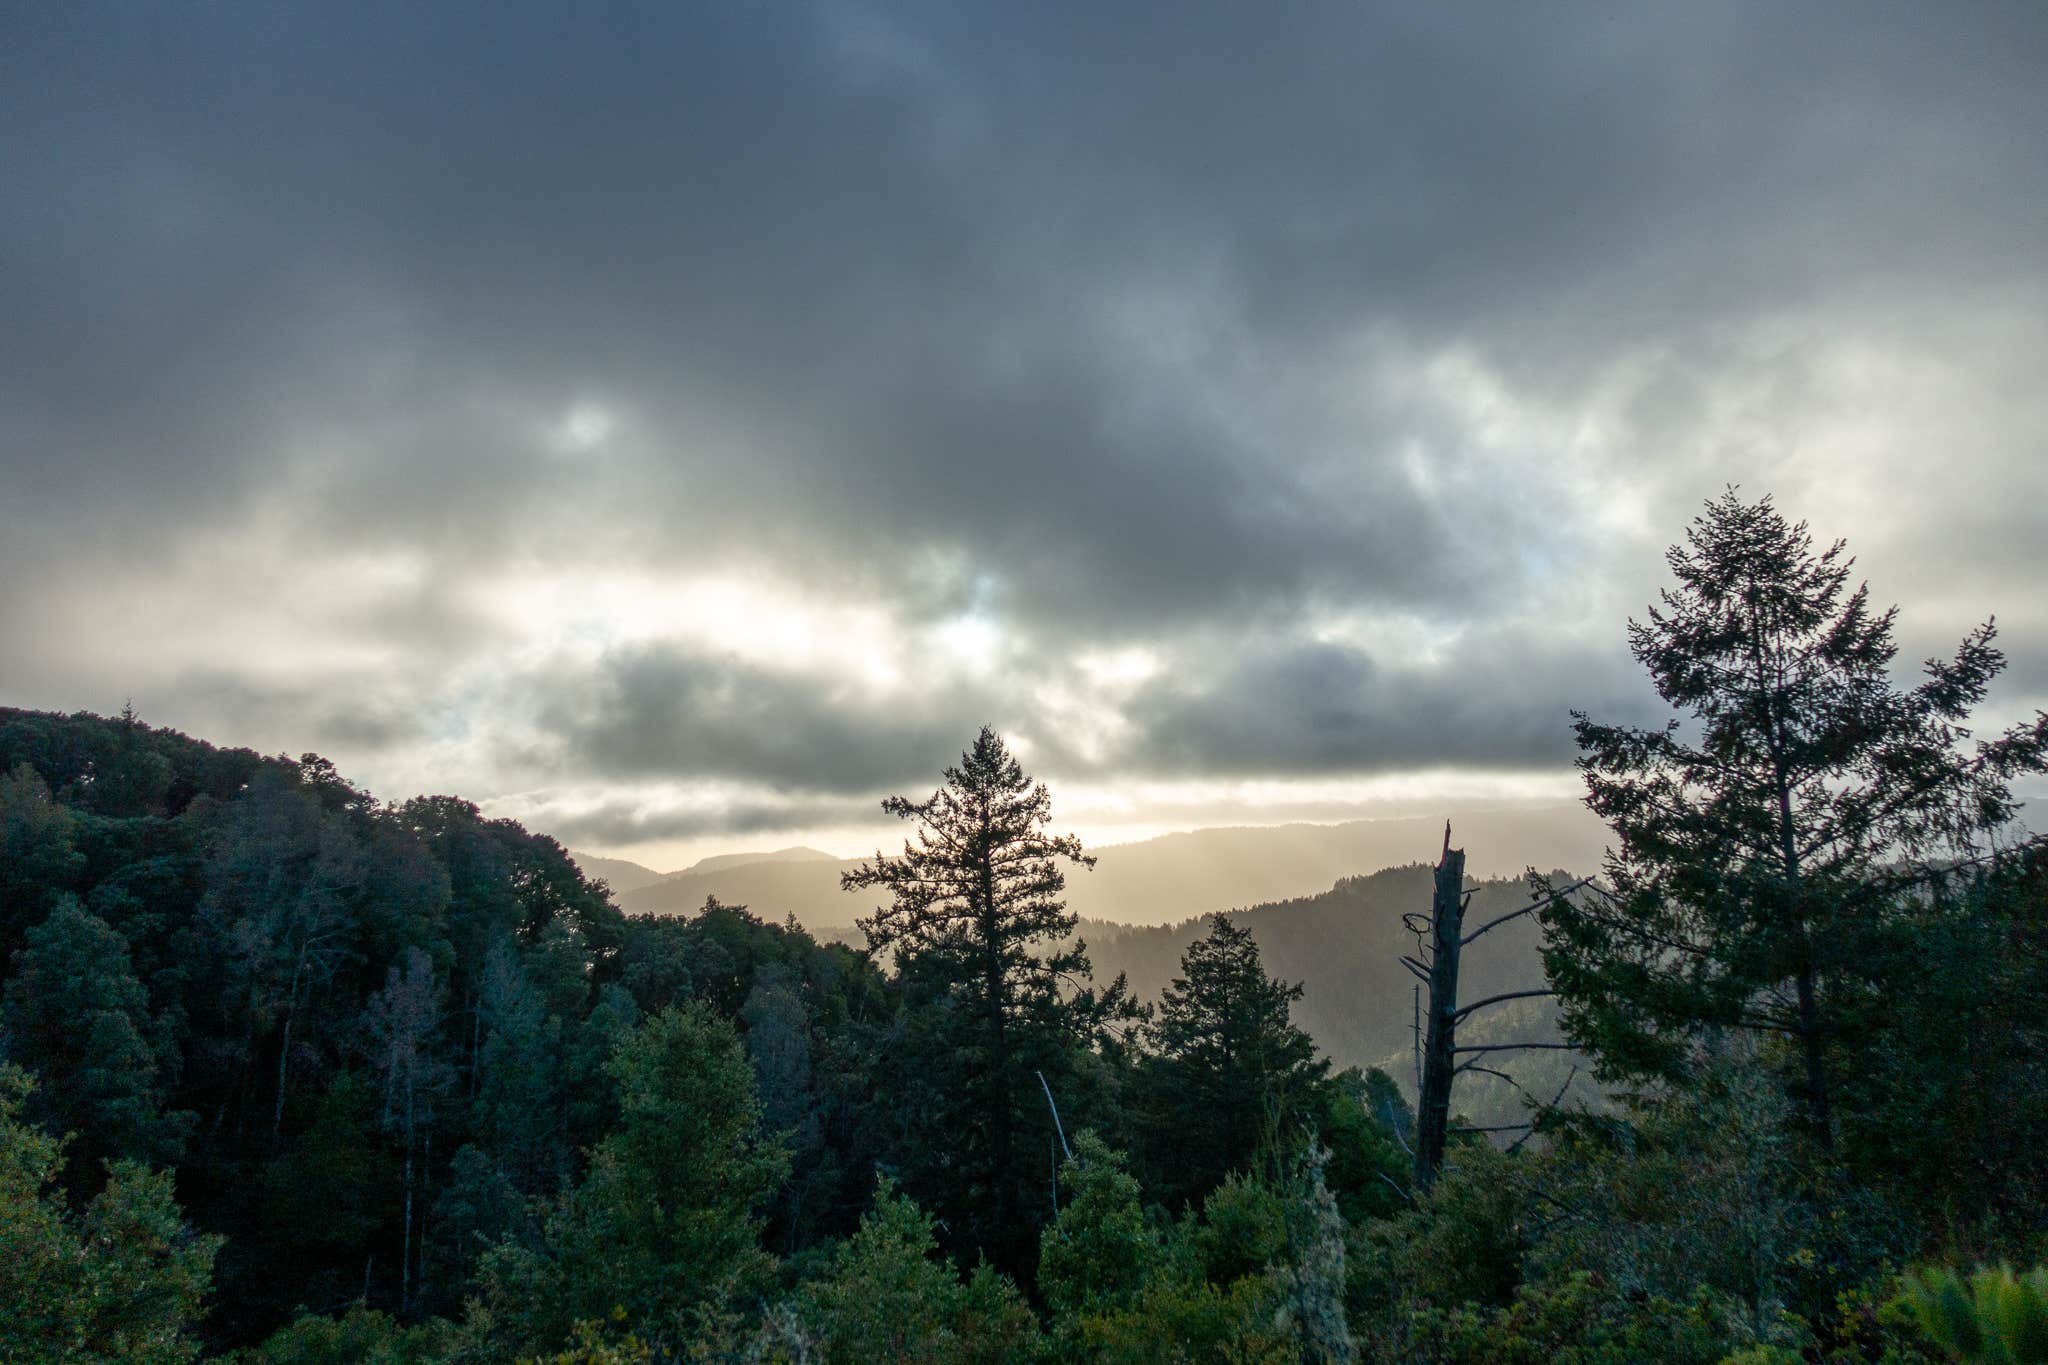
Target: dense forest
{"x": 295, "y": 1075}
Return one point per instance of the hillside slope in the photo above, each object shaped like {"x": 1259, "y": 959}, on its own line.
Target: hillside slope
{"x": 617, "y": 873}
{"x": 1344, "y": 945}
{"x": 1175, "y": 877}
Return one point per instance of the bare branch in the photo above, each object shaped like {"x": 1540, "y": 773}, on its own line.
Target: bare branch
{"x": 1555, "y": 1100}
{"x": 1536, "y": 904}
{"x": 1497, "y": 999}
{"x": 1513, "y": 1047}
{"x": 1056, "y": 1125}
{"x": 1500, "y": 920}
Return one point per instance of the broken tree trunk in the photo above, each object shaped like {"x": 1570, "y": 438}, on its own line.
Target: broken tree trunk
{"x": 1446, "y": 916}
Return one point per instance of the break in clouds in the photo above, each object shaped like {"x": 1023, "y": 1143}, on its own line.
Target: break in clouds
{"x": 674, "y": 421}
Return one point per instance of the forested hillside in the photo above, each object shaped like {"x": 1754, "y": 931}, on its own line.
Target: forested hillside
{"x": 1344, "y": 948}
{"x": 406, "y": 1058}
{"x": 292, "y": 1075}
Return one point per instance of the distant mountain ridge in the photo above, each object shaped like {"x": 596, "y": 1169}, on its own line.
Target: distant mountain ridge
{"x": 624, "y": 876}
{"x": 719, "y": 862}
{"x": 1344, "y": 946}
{"x": 1166, "y": 880}
{"x": 619, "y": 874}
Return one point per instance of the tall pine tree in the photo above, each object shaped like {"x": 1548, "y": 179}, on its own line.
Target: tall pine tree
{"x": 1231, "y": 1076}
{"x": 1760, "y": 839}
{"x": 996, "y": 994}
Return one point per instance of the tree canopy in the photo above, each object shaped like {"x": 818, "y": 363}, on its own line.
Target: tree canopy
{"x": 999, "y": 1007}
{"x": 1763, "y": 834}
{"x": 292, "y": 1075}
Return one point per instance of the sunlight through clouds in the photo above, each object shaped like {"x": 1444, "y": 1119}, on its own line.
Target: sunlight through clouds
{"x": 757, "y": 432}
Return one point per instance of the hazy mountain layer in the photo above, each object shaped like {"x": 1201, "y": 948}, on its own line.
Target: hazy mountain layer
{"x": 721, "y": 862}
{"x": 1344, "y": 945}
{"x": 1175, "y": 877}
{"x": 622, "y": 876}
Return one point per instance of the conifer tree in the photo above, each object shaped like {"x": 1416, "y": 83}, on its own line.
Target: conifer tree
{"x": 666, "y": 1221}
{"x": 74, "y": 1012}
{"x": 37, "y": 860}
{"x": 996, "y": 990}
{"x": 518, "y": 1109}
{"x": 1232, "y": 1074}
{"x": 1760, "y": 838}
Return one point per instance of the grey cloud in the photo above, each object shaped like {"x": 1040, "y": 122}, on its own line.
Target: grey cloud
{"x": 615, "y": 824}
{"x": 366, "y": 219}
{"x": 1500, "y": 701}
{"x": 667, "y": 711}
{"x": 1060, "y": 299}
{"x": 360, "y": 715}
{"x": 1254, "y": 704}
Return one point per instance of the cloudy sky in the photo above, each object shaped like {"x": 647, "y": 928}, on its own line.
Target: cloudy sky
{"x": 678, "y": 425}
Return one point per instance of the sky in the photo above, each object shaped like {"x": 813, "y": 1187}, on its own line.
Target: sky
{"x": 679, "y": 425}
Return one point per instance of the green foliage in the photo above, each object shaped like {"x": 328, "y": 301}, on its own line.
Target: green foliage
{"x": 119, "y": 1284}
{"x": 1753, "y": 859}
{"x": 478, "y": 1208}
{"x": 1579, "y": 1320}
{"x": 326, "y": 1192}
{"x": 1994, "y": 1317}
{"x": 1708, "y": 1193}
{"x": 519, "y": 1113}
{"x": 1101, "y": 1250}
{"x": 1122, "y": 1288}
{"x": 1713, "y": 1189}
{"x": 360, "y": 1336}
{"x": 38, "y": 860}
{"x": 888, "y": 1295}
{"x": 995, "y": 993}
{"x": 1944, "y": 1068}
{"x": 75, "y": 1014}
{"x": 215, "y": 941}
{"x": 1228, "y": 1078}
{"x": 814, "y": 1016}
{"x": 665, "y": 1223}
{"x": 1242, "y": 1231}
{"x": 1462, "y": 1242}
{"x": 1363, "y": 1122}
{"x": 1184, "y": 1319}
{"x": 589, "y": 1346}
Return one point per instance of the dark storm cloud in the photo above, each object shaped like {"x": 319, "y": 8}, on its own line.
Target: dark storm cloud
{"x": 617, "y": 823}
{"x": 1494, "y": 702}
{"x": 335, "y": 715}
{"x": 1111, "y": 324}
{"x": 654, "y": 711}
{"x": 1258, "y": 705}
